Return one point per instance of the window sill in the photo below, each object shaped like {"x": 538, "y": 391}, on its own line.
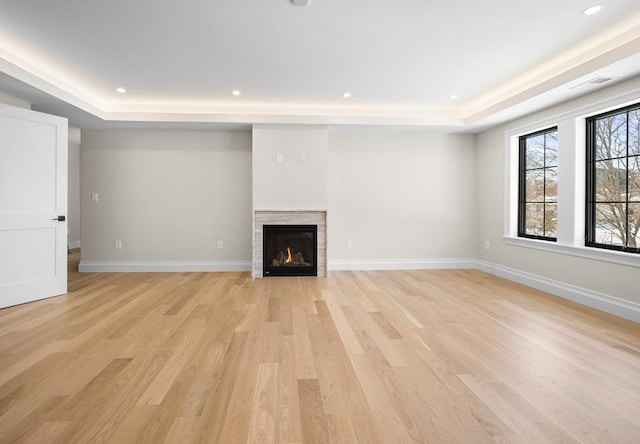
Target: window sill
{"x": 629, "y": 259}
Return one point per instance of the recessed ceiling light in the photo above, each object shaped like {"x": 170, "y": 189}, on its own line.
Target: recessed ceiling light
{"x": 592, "y": 10}
{"x": 346, "y": 95}
{"x": 121, "y": 90}
{"x": 235, "y": 92}
{"x": 300, "y": 2}
{"x": 453, "y": 96}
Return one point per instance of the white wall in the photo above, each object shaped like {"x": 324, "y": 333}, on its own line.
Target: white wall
{"x": 599, "y": 283}
{"x": 290, "y": 184}
{"x": 401, "y": 197}
{"x": 168, "y": 195}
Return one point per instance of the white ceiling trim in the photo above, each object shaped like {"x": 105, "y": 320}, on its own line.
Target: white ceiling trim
{"x": 574, "y": 68}
{"x": 608, "y": 47}
{"x": 34, "y": 75}
{"x": 293, "y": 116}
{"x": 611, "y": 45}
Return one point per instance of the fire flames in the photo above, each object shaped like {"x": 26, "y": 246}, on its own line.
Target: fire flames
{"x": 295, "y": 259}
{"x": 288, "y": 260}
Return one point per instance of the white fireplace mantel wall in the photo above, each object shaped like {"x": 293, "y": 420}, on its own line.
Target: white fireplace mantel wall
{"x": 290, "y": 183}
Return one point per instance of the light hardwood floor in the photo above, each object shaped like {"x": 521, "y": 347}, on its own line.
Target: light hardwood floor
{"x": 439, "y": 356}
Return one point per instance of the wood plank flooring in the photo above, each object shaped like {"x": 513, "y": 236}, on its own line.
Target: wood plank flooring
{"x": 434, "y": 356}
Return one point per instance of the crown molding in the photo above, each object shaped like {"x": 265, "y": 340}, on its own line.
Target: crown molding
{"x": 613, "y": 45}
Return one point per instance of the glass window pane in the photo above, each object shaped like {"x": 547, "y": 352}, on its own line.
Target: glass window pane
{"x": 534, "y": 186}
{"x": 610, "y": 224}
{"x": 634, "y": 132}
{"x": 634, "y": 225}
{"x": 611, "y": 180}
{"x": 551, "y": 185}
{"x": 534, "y": 222}
{"x": 551, "y": 144}
{"x": 634, "y": 179}
{"x": 535, "y": 152}
{"x": 540, "y": 183}
{"x": 619, "y": 146}
{"x": 551, "y": 220}
{"x": 615, "y": 160}
{"x": 611, "y": 136}
{"x": 602, "y": 139}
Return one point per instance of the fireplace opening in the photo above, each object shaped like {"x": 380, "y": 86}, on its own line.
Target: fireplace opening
{"x": 290, "y": 250}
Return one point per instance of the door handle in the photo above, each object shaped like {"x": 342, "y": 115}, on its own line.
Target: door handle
{"x": 60, "y": 218}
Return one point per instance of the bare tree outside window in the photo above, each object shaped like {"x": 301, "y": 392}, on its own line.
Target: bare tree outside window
{"x": 613, "y": 188}
{"x": 538, "y": 187}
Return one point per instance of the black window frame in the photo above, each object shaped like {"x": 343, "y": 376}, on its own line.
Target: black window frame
{"x": 522, "y": 180}
{"x": 590, "y": 201}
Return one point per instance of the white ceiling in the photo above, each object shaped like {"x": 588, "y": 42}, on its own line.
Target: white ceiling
{"x": 400, "y": 59}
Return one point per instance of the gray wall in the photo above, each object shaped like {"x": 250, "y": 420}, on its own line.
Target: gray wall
{"x": 401, "y": 196}
{"x": 73, "y": 202}
{"x": 166, "y": 194}
{"x": 170, "y": 195}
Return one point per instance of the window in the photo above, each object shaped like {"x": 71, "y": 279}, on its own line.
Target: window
{"x": 538, "y": 185}
{"x": 573, "y": 220}
{"x": 613, "y": 180}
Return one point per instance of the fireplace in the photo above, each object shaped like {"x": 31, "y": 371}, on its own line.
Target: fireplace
{"x": 290, "y": 250}
{"x": 315, "y": 217}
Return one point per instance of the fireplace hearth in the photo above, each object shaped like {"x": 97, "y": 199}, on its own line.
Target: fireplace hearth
{"x": 290, "y": 250}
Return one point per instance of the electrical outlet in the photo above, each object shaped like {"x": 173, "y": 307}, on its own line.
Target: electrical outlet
{"x": 487, "y": 245}
{"x": 94, "y": 197}
{"x": 279, "y": 158}
{"x": 349, "y": 243}
{"x": 220, "y": 245}
{"x": 117, "y": 245}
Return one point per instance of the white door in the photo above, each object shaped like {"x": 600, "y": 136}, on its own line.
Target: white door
{"x": 33, "y": 197}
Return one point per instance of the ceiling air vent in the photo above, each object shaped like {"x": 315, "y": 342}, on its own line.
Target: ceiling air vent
{"x": 592, "y": 83}
{"x": 599, "y": 80}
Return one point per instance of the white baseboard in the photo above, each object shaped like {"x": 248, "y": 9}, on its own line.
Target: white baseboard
{"x": 401, "y": 264}
{"x": 163, "y": 266}
{"x": 609, "y": 304}
{"x": 72, "y": 245}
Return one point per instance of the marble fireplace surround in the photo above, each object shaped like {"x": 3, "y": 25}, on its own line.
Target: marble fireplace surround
{"x": 290, "y": 217}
